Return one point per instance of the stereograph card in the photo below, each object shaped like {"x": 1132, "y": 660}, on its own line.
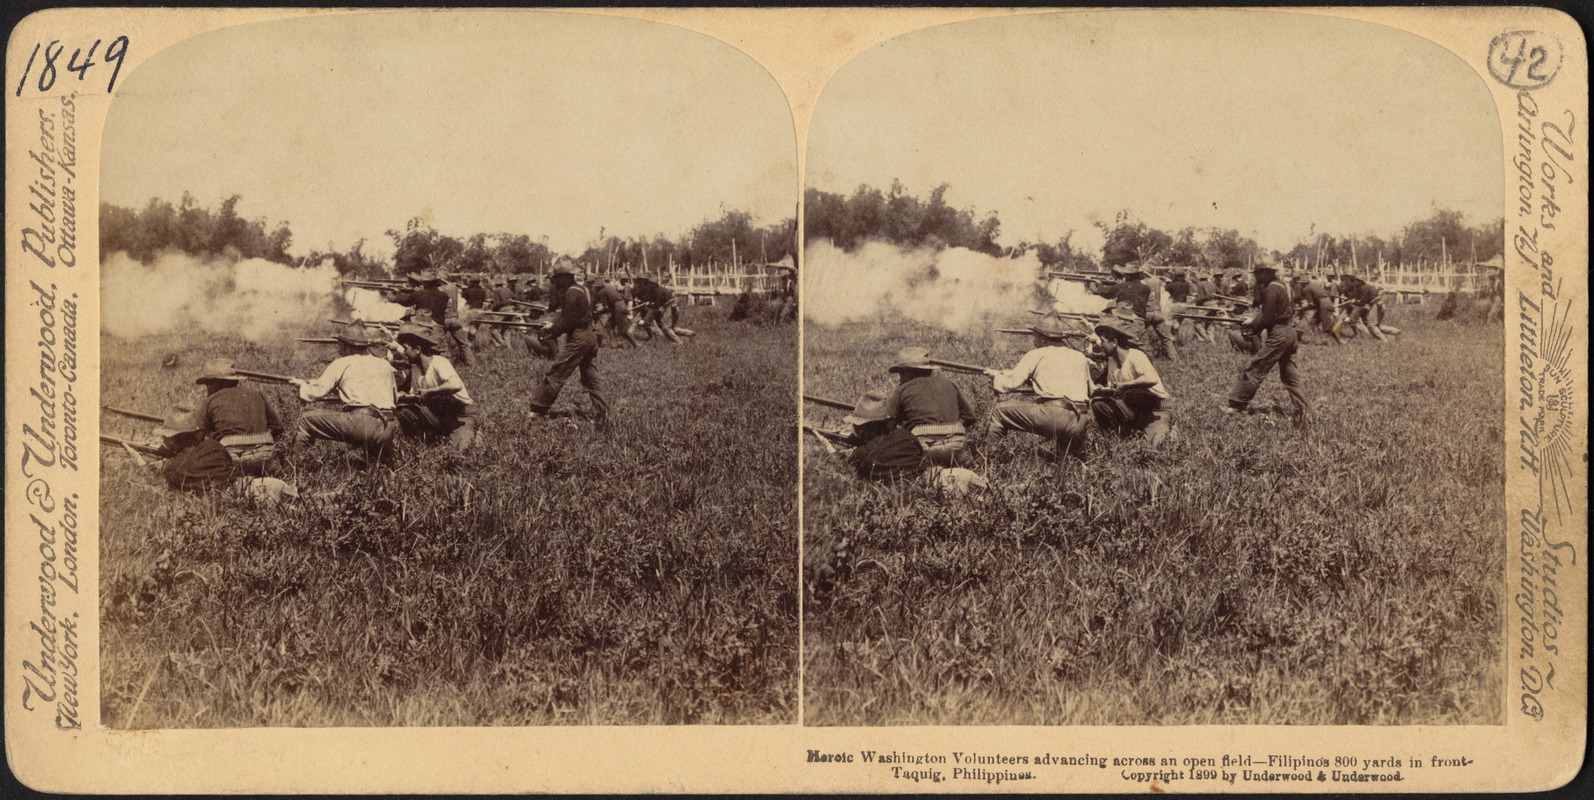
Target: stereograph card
{"x": 469, "y": 388}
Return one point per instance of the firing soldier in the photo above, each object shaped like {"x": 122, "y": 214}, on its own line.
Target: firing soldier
{"x": 931, "y": 407}
{"x": 1131, "y": 396}
{"x": 1059, "y": 375}
{"x": 365, "y": 387}
{"x": 1273, "y": 326}
{"x": 240, "y": 418}
{"x": 1144, "y": 302}
{"x": 435, "y": 401}
{"x": 578, "y": 352}
{"x": 1367, "y": 310}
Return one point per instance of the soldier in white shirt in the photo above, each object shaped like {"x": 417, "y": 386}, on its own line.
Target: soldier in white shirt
{"x": 365, "y": 389}
{"x": 1059, "y": 376}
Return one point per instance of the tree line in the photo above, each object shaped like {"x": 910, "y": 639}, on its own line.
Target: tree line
{"x": 145, "y": 233}
{"x": 903, "y": 219}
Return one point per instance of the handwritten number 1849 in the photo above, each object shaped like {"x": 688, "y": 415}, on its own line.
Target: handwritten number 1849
{"x": 48, "y": 72}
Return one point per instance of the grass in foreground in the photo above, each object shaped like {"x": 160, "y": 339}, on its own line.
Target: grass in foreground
{"x": 1246, "y": 574}
{"x": 555, "y": 576}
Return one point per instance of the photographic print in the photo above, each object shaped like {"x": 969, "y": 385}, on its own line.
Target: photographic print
{"x": 1167, "y": 375}
{"x": 449, "y": 374}
{"x": 749, "y": 400}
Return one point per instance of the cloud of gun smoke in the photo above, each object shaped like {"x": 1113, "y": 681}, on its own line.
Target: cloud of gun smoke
{"x": 957, "y": 289}
{"x": 253, "y": 298}
{"x": 367, "y": 304}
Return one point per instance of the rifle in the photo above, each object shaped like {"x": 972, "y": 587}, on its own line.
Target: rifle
{"x": 316, "y": 340}
{"x": 1081, "y": 277}
{"x": 831, "y": 438}
{"x": 505, "y": 323}
{"x": 827, "y": 402}
{"x": 133, "y": 414}
{"x": 378, "y": 285}
{"x": 1027, "y": 332}
{"x": 1221, "y": 320}
{"x": 134, "y": 449}
{"x": 1237, "y": 301}
{"x": 1079, "y": 315}
{"x": 264, "y": 377}
{"x": 392, "y": 325}
{"x": 528, "y": 304}
{"x": 958, "y": 366}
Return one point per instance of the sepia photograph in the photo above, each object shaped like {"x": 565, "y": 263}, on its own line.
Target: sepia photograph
{"x": 731, "y": 400}
{"x": 1153, "y": 375}
{"x": 449, "y": 377}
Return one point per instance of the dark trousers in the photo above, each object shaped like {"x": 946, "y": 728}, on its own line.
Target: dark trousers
{"x": 363, "y": 429}
{"x": 455, "y": 420}
{"x": 579, "y": 352}
{"x": 1278, "y": 348}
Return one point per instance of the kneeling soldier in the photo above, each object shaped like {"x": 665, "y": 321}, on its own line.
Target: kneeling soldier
{"x": 365, "y": 386}
{"x": 240, "y": 418}
{"x": 1060, "y": 377}
{"x": 929, "y": 406}
{"x": 435, "y": 402}
{"x": 1132, "y": 397}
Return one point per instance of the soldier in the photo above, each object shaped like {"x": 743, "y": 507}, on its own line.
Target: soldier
{"x": 1273, "y": 324}
{"x": 1239, "y": 288}
{"x": 364, "y": 385}
{"x": 240, "y": 418}
{"x": 579, "y": 351}
{"x": 1368, "y": 308}
{"x": 1060, "y": 377}
{"x": 1145, "y": 302}
{"x": 435, "y": 401}
{"x": 1314, "y": 297}
{"x": 930, "y": 407}
{"x": 1132, "y": 396}
{"x": 1179, "y": 289}
{"x": 612, "y": 305}
{"x": 659, "y": 307}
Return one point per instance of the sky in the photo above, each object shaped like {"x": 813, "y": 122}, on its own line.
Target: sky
{"x": 1268, "y": 123}
{"x": 540, "y": 123}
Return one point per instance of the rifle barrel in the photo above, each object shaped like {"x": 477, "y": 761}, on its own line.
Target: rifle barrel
{"x": 141, "y": 448}
{"x": 264, "y": 377}
{"x": 365, "y": 321}
{"x": 316, "y": 340}
{"x": 838, "y": 438}
{"x": 956, "y": 366}
{"x": 825, "y": 401}
{"x": 133, "y": 414}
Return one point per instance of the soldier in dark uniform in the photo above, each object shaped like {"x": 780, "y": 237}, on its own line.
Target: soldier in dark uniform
{"x": 578, "y": 352}
{"x": 611, "y": 304}
{"x": 1274, "y": 324}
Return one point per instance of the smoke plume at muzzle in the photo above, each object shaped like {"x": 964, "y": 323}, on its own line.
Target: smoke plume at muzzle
{"x": 957, "y": 289}
{"x": 367, "y": 304}
{"x": 251, "y": 298}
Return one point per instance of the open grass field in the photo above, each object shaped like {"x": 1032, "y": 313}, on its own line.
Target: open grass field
{"x": 1245, "y": 574}
{"x": 555, "y": 576}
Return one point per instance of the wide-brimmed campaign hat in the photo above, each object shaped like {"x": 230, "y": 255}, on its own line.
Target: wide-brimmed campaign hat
{"x": 1115, "y": 329}
{"x": 357, "y": 334}
{"x": 912, "y": 358}
{"x": 426, "y": 336}
{"x": 218, "y": 369}
{"x": 428, "y": 276}
{"x": 1265, "y": 267}
{"x": 871, "y": 407}
{"x": 1129, "y": 270}
{"x": 178, "y": 420}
